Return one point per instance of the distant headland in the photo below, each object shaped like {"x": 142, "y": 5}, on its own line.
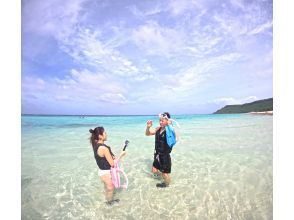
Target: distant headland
{"x": 264, "y": 106}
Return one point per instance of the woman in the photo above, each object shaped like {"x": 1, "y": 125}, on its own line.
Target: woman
{"x": 105, "y": 160}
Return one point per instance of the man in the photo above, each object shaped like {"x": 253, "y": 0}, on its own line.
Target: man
{"x": 162, "y": 159}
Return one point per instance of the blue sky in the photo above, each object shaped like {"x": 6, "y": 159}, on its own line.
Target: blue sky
{"x": 144, "y": 57}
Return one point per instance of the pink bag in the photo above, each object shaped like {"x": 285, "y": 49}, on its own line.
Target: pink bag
{"x": 115, "y": 175}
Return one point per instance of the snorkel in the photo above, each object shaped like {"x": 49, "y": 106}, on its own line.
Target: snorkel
{"x": 166, "y": 116}
{"x": 171, "y": 137}
{"x": 116, "y": 170}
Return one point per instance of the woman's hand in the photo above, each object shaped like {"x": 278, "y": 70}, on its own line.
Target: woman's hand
{"x": 122, "y": 154}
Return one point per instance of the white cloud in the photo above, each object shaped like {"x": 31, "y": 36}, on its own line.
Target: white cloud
{"x": 229, "y": 26}
{"x": 146, "y": 12}
{"x": 46, "y": 23}
{"x": 189, "y": 78}
{"x": 234, "y": 101}
{"x": 33, "y": 85}
{"x": 253, "y": 19}
{"x": 156, "y": 40}
{"x": 86, "y": 48}
{"x": 182, "y": 85}
{"x": 63, "y": 97}
{"x": 180, "y": 7}
{"x": 260, "y": 65}
{"x": 90, "y": 82}
{"x": 173, "y": 7}
{"x": 56, "y": 18}
{"x": 185, "y": 38}
{"x": 115, "y": 98}
{"x": 238, "y": 4}
{"x": 261, "y": 28}
{"x": 79, "y": 86}
{"x": 60, "y": 21}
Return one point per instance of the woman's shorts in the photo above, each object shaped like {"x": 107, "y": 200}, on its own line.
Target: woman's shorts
{"x": 162, "y": 162}
{"x": 103, "y": 172}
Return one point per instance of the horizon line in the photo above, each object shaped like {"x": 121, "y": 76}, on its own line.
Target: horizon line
{"x": 91, "y": 115}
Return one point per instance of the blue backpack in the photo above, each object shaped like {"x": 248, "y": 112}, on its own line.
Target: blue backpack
{"x": 170, "y": 136}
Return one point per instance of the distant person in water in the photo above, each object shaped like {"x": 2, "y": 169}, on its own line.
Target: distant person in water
{"x": 105, "y": 160}
{"x": 162, "y": 159}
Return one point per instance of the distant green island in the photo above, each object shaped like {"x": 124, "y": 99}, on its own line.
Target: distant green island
{"x": 256, "y": 106}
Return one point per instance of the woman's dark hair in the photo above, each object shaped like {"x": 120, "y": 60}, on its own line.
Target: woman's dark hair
{"x": 95, "y": 134}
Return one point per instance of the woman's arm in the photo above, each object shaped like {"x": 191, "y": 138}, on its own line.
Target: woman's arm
{"x": 121, "y": 155}
{"x": 108, "y": 156}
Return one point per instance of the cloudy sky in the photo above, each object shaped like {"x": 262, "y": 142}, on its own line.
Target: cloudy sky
{"x": 144, "y": 57}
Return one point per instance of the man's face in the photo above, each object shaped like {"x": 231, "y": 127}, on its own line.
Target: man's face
{"x": 163, "y": 122}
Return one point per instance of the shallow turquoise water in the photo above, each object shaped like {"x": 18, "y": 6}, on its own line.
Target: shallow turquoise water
{"x": 221, "y": 169}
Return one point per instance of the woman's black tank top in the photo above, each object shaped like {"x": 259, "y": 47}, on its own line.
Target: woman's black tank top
{"x": 101, "y": 161}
